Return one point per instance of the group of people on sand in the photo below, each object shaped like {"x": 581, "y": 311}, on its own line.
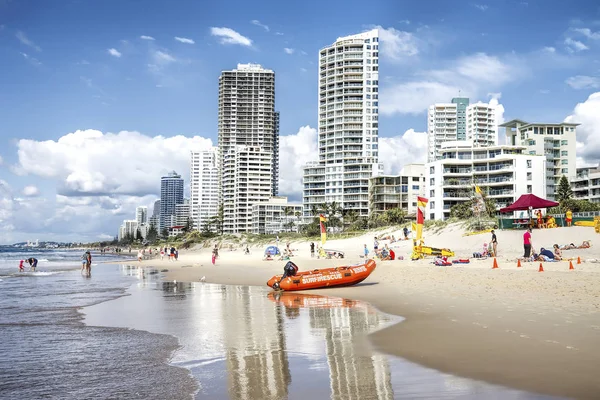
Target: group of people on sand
{"x": 384, "y": 254}
{"x": 529, "y": 253}
{"x": 32, "y": 264}
{"x": 171, "y": 252}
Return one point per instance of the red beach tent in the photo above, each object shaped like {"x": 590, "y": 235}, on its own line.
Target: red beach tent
{"x": 529, "y": 200}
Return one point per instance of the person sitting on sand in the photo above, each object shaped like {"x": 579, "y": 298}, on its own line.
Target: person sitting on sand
{"x": 405, "y": 231}
{"x": 545, "y": 255}
{"x": 557, "y": 253}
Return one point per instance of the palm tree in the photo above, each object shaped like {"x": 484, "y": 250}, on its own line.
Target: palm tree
{"x": 218, "y": 219}
{"x": 287, "y": 211}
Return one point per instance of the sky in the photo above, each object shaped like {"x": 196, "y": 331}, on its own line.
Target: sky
{"x": 99, "y": 99}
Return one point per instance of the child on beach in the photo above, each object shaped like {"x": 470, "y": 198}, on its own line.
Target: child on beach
{"x": 366, "y": 251}
{"x": 21, "y": 266}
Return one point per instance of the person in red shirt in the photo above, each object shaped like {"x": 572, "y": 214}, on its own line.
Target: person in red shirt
{"x": 527, "y": 243}
{"x": 392, "y": 255}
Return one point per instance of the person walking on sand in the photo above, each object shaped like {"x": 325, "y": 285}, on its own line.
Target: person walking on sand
{"x": 214, "y": 255}
{"x": 366, "y": 250}
{"x": 494, "y": 244}
{"x": 312, "y": 250}
{"x": 84, "y": 260}
{"x": 527, "y": 243}
{"x": 569, "y": 216}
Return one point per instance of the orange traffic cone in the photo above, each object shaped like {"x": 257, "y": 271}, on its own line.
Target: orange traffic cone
{"x": 571, "y": 265}
{"x": 541, "y": 268}
{"x": 578, "y": 260}
{"x": 518, "y": 263}
{"x": 495, "y": 264}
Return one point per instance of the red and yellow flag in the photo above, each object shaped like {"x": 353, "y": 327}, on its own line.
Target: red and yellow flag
{"x": 322, "y": 220}
{"x": 421, "y": 206}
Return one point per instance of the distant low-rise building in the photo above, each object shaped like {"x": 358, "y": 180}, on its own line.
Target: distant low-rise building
{"x": 397, "y": 191}
{"x": 276, "y": 215}
{"x": 503, "y": 173}
{"x": 586, "y": 184}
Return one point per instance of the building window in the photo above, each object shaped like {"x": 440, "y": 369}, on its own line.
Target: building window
{"x": 564, "y": 153}
{"x": 432, "y": 193}
{"x": 564, "y": 162}
{"x": 431, "y": 170}
{"x": 564, "y": 171}
{"x": 564, "y": 142}
{"x": 432, "y": 205}
{"x": 415, "y": 187}
{"x": 431, "y": 181}
{"x": 529, "y": 189}
{"x": 529, "y": 176}
{"x": 528, "y": 163}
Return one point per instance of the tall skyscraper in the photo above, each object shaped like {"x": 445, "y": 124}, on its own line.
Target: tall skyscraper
{"x": 248, "y": 139}
{"x": 482, "y": 125}
{"x": 204, "y": 187}
{"x": 461, "y": 117}
{"x": 171, "y": 194}
{"x": 141, "y": 215}
{"x": 156, "y": 209}
{"x": 275, "y": 186}
{"x": 348, "y": 125}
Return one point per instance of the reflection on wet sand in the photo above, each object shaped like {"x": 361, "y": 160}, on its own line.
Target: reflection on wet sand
{"x": 250, "y": 343}
{"x": 339, "y": 321}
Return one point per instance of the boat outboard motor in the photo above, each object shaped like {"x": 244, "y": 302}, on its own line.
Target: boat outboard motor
{"x": 290, "y": 269}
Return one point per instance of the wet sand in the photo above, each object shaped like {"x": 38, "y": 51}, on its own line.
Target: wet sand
{"x": 516, "y": 327}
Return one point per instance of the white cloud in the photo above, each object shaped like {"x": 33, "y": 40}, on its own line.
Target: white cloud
{"x": 397, "y": 151}
{"x": 583, "y": 82}
{"x": 481, "y": 7}
{"x": 472, "y": 76}
{"x": 575, "y": 45}
{"x": 288, "y": 50}
{"x": 114, "y": 52}
{"x": 279, "y": 33}
{"x": 25, "y": 40}
{"x": 549, "y": 49}
{"x": 397, "y": 45}
{"x": 184, "y": 40}
{"x": 30, "y": 191}
{"x": 124, "y": 163}
{"x": 303, "y": 69}
{"x": 144, "y": 37}
{"x": 229, "y": 36}
{"x": 161, "y": 58}
{"x": 588, "y": 132}
{"x": 295, "y": 151}
{"x": 257, "y": 23}
{"x": 32, "y": 60}
{"x": 588, "y": 33}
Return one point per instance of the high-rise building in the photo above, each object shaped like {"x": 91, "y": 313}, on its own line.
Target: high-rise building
{"x": 204, "y": 187}
{"x": 275, "y": 185}
{"x": 482, "y": 125}
{"x": 141, "y": 215}
{"x": 557, "y": 142}
{"x": 182, "y": 213}
{"x": 348, "y": 125}
{"x": 461, "y": 117}
{"x": 156, "y": 209}
{"x": 248, "y": 140}
{"x": 586, "y": 184}
{"x": 171, "y": 194}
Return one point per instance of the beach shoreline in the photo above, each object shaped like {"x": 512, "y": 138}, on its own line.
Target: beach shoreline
{"x": 516, "y": 327}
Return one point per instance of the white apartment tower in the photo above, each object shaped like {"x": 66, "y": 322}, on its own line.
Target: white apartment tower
{"x": 141, "y": 215}
{"x": 248, "y": 156}
{"x": 558, "y": 142}
{"x": 348, "y": 125}
{"x": 460, "y": 121}
{"x": 204, "y": 187}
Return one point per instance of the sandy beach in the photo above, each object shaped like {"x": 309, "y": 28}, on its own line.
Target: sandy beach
{"x": 518, "y": 327}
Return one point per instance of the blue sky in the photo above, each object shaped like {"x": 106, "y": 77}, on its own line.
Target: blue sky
{"x": 83, "y": 65}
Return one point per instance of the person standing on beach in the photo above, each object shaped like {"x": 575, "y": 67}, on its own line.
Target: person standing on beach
{"x": 84, "y": 259}
{"x": 527, "y": 243}
{"x": 88, "y": 264}
{"x": 494, "y": 243}
{"x": 32, "y": 263}
{"x": 366, "y": 251}
{"x": 214, "y": 255}
{"x": 21, "y": 266}
{"x": 569, "y": 216}
{"x": 312, "y": 249}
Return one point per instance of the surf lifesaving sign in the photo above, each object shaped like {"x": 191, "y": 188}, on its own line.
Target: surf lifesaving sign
{"x": 321, "y": 278}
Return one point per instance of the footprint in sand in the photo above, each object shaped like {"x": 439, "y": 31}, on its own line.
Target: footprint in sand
{"x": 524, "y": 336}
{"x": 572, "y": 348}
{"x": 551, "y": 341}
{"x": 454, "y": 320}
{"x": 510, "y": 331}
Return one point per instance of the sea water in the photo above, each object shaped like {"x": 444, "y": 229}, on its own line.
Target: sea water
{"x": 47, "y": 352}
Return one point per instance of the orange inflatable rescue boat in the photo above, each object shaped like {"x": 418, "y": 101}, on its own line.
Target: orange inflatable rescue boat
{"x": 322, "y": 278}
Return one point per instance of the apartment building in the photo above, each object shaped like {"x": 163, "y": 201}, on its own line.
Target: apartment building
{"x": 555, "y": 141}
{"x": 204, "y": 187}
{"x": 586, "y": 184}
{"x": 504, "y": 173}
{"x": 398, "y": 191}
{"x": 171, "y": 194}
{"x": 348, "y": 125}
{"x": 276, "y": 215}
{"x": 460, "y": 121}
{"x": 246, "y": 180}
{"x": 141, "y": 215}
{"x": 182, "y": 213}
{"x": 248, "y": 124}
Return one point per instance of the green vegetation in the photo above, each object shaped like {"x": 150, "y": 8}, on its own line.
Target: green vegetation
{"x": 564, "y": 191}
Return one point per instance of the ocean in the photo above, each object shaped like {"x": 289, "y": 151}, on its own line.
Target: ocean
{"x": 125, "y": 333}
